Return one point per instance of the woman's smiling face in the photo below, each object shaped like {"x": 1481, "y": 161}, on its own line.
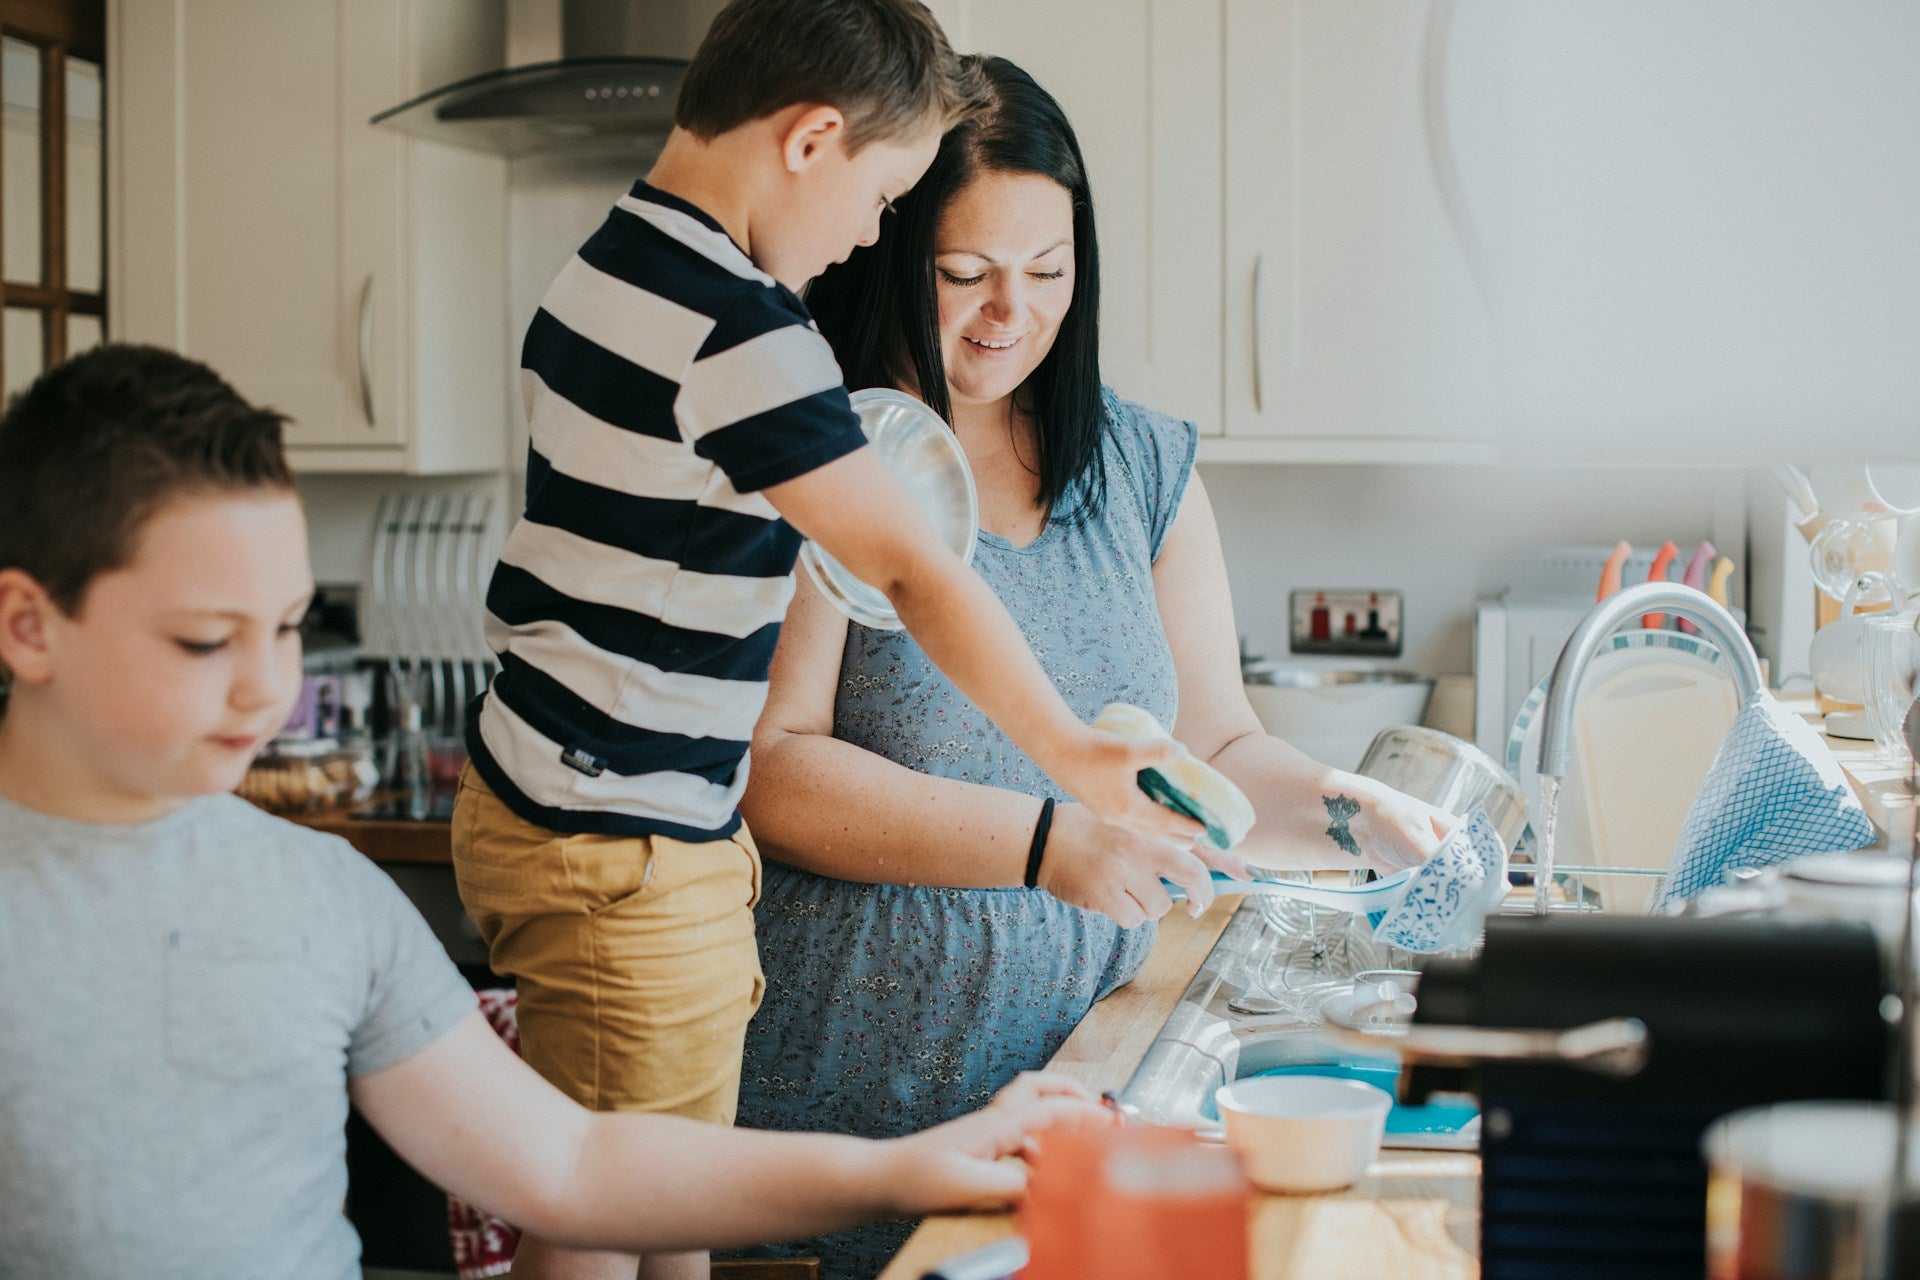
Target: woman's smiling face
{"x": 1005, "y": 265}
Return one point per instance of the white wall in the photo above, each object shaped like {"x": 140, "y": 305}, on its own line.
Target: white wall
{"x": 1445, "y": 536}
{"x": 553, "y": 204}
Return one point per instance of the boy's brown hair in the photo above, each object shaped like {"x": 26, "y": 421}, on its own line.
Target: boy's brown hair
{"x": 98, "y": 444}
{"x": 884, "y": 64}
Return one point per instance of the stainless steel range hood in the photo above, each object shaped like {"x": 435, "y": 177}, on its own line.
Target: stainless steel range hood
{"x": 615, "y": 83}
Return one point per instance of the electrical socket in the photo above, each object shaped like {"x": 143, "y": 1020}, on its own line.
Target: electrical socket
{"x": 1345, "y": 621}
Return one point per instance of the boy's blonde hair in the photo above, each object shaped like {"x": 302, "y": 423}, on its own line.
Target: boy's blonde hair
{"x": 885, "y": 64}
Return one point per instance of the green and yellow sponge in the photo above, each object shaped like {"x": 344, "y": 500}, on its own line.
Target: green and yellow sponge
{"x": 1186, "y": 785}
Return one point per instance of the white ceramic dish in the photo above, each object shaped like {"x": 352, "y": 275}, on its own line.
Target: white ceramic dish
{"x": 1368, "y": 1005}
{"x": 1302, "y": 1134}
{"x": 1652, "y": 711}
{"x": 922, "y": 452}
{"x": 1851, "y": 725}
{"x": 1451, "y": 893}
{"x": 1858, "y": 886}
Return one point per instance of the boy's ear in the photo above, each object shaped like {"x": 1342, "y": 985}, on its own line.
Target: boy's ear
{"x": 25, "y": 608}
{"x": 809, "y": 134}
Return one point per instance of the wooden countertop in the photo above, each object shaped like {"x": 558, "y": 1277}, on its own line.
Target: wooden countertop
{"x": 1885, "y": 791}
{"x": 383, "y": 839}
{"x": 1413, "y": 1217}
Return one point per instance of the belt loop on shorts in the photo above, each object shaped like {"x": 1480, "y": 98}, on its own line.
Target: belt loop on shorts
{"x": 646, "y": 876}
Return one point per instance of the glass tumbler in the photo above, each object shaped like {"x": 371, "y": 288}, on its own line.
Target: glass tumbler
{"x": 1889, "y": 663}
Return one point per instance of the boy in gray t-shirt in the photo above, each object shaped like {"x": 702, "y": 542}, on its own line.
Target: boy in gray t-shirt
{"x": 194, "y": 991}
{"x": 182, "y": 997}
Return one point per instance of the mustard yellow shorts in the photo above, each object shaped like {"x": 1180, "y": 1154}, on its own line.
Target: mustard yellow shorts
{"x": 634, "y": 955}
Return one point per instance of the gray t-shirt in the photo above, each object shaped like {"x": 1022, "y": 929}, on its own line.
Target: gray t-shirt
{"x": 182, "y": 1003}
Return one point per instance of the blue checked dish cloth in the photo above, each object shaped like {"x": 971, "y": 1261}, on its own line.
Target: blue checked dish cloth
{"x": 1774, "y": 791}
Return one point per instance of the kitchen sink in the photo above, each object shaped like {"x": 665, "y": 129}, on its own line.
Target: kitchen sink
{"x": 1255, "y": 1007}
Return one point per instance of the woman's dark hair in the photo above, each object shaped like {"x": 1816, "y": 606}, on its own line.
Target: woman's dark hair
{"x": 880, "y": 308}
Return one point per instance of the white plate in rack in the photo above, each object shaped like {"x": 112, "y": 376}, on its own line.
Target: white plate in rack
{"x": 1653, "y": 708}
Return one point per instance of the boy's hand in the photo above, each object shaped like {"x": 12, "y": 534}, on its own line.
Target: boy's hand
{"x": 1102, "y": 770}
{"x": 1102, "y": 868}
{"x": 960, "y": 1165}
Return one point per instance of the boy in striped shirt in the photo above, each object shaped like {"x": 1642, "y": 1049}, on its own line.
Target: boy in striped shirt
{"x": 688, "y": 427}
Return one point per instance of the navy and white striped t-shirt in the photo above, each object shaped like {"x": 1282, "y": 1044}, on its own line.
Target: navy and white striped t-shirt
{"x": 637, "y": 601}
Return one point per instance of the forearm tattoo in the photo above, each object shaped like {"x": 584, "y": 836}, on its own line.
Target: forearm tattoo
{"x": 1341, "y": 809}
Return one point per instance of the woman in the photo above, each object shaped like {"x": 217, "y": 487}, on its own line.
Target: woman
{"x": 910, "y": 972}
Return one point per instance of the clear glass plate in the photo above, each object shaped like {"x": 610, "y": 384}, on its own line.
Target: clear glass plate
{"x": 920, "y": 449}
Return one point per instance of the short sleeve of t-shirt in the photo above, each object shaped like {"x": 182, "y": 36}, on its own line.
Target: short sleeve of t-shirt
{"x": 1156, "y": 452}
{"x": 764, "y": 398}
{"x": 414, "y": 993}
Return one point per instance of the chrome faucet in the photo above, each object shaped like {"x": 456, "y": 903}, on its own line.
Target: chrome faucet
{"x": 1610, "y": 615}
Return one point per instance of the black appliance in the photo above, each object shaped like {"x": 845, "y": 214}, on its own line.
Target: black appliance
{"x": 1594, "y": 1176}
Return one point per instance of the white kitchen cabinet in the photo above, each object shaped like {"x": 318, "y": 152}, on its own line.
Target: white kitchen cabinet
{"x": 1701, "y": 233}
{"x": 1357, "y": 322}
{"x": 1140, "y": 83}
{"x": 346, "y": 275}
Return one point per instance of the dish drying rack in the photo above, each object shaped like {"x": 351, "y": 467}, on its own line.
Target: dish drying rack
{"x": 425, "y": 617}
{"x": 1307, "y": 954}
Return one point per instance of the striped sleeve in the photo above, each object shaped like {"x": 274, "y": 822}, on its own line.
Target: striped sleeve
{"x": 763, "y": 398}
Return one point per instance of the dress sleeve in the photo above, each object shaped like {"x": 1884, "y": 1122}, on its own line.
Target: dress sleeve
{"x": 414, "y": 992}
{"x": 1156, "y": 450}
{"x": 764, "y": 397}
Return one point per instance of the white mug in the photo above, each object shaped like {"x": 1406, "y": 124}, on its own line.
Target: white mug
{"x": 1834, "y": 656}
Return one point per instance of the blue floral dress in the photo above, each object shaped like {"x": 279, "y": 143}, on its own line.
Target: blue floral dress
{"x": 889, "y": 1007}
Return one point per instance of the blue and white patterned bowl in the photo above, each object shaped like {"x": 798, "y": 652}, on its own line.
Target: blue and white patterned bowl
{"x": 1451, "y": 893}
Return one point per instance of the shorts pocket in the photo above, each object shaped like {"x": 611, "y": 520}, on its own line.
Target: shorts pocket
{"x": 745, "y": 844}
{"x": 610, "y": 872}
{"x": 242, "y": 1008}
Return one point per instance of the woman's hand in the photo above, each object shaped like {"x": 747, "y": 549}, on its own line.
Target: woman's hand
{"x": 1116, "y": 872}
{"x": 961, "y": 1164}
{"x": 1389, "y": 828}
{"x": 1101, "y": 770}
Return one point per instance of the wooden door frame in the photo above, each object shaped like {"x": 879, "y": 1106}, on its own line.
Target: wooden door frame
{"x": 59, "y": 28}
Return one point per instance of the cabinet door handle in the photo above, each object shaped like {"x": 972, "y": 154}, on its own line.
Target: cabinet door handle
{"x": 365, "y": 350}
{"x": 1257, "y": 349}
{"x": 1438, "y": 131}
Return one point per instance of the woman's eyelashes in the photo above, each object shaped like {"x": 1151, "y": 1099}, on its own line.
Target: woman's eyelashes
{"x": 967, "y": 282}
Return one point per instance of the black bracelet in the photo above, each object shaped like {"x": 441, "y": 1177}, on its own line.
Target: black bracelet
{"x": 1038, "y": 849}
